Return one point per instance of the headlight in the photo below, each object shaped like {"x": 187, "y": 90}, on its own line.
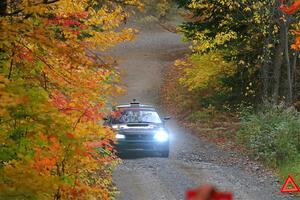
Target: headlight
{"x": 116, "y": 127}
{"x": 161, "y": 136}
{"x": 120, "y": 136}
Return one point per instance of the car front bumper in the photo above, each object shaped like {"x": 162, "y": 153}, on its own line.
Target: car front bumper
{"x": 141, "y": 145}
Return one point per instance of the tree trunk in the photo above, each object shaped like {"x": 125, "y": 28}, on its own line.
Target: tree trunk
{"x": 294, "y": 69}
{"x": 278, "y": 58}
{"x": 288, "y": 65}
{"x": 265, "y": 70}
{"x": 276, "y": 74}
{"x": 294, "y": 74}
{"x": 3, "y": 5}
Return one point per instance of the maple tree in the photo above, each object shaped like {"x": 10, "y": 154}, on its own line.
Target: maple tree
{"x": 55, "y": 82}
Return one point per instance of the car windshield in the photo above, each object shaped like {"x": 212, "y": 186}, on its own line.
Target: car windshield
{"x": 137, "y": 116}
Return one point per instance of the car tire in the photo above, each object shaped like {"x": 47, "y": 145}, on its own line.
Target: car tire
{"x": 165, "y": 154}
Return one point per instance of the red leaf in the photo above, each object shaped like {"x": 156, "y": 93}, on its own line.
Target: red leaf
{"x": 290, "y": 9}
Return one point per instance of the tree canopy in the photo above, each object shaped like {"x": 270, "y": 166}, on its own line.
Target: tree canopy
{"x": 256, "y": 37}
{"x": 55, "y": 82}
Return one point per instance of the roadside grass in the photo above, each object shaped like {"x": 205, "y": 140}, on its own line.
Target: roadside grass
{"x": 290, "y": 168}
{"x": 272, "y": 135}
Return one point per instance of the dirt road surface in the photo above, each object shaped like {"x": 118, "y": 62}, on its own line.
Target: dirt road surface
{"x": 192, "y": 161}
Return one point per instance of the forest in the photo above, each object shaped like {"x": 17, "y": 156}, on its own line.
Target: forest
{"x": 240, "y": 82}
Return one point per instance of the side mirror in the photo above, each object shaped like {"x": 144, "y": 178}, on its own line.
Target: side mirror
{"x": 167, "y": 118}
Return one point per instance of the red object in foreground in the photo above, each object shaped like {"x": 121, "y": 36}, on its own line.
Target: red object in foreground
{"x": 222, "y": 196}
{"x": 289, "y": 180}
{"x": 207, "y": 192}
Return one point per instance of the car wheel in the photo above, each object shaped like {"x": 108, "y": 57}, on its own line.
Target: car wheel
{"x": 165, "y": 154}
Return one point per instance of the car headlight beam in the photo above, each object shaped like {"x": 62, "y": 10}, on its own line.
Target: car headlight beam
{"x": 161, "y": 136}
{"x": 115, "y": 127}
{"x": 120, "y": 136}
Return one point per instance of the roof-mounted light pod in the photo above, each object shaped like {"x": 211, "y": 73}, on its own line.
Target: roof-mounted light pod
{"x": 134, "y": 103}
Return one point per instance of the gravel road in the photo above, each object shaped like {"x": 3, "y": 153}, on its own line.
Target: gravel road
{"x": 192, "y": 161}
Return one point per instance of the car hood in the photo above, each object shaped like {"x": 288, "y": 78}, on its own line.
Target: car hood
{"x": 138, "y": 128}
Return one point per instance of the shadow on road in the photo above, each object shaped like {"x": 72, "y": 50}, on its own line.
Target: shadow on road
{"x": 138, "y": 155}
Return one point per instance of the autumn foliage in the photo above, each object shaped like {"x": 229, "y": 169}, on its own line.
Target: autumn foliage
{"x": 55, "y": 82}
{"x": 292, "y": 9}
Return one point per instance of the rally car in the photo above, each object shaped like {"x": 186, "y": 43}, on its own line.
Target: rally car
{"x": 139, "y": 128}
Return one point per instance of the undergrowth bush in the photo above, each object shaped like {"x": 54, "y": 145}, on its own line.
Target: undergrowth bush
{"x": 206, "y": 114}
{"x": 272, "y": 135}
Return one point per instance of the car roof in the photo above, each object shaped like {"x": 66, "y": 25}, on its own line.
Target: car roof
{"x": 136, "y": 105}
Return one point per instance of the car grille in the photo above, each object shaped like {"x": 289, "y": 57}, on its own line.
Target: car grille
{"x": 139, "y": 137}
